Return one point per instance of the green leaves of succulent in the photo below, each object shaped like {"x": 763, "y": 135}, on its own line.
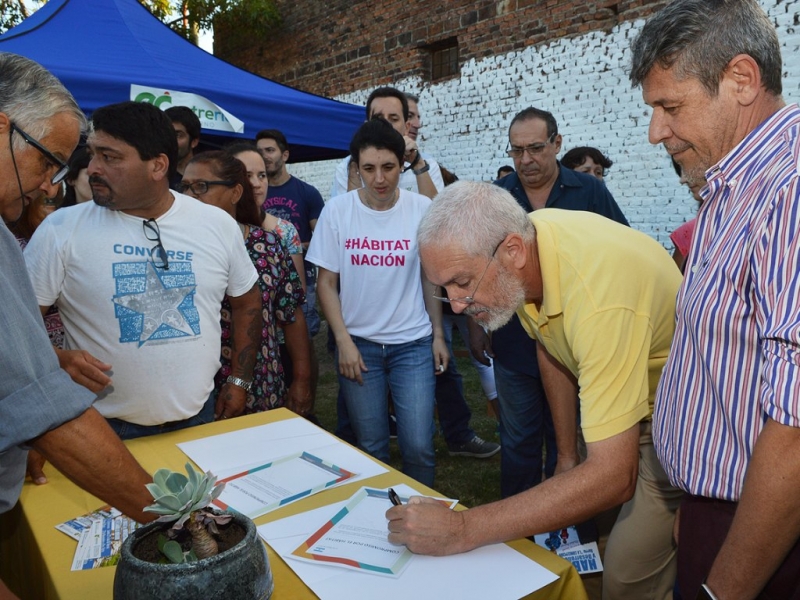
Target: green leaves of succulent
{"x": 177, "y": 496}
{"x": 173, "y": 552}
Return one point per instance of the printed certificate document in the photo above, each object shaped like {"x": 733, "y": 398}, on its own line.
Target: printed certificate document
{"x": 261, "y": 489}
{"x": 356, "y": 537}
{"x": 496, "y": 571}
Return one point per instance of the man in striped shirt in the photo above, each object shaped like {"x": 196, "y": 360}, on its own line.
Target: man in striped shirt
{"x": 727, "y": 417}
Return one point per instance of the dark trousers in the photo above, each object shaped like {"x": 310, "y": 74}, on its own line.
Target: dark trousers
{"x": 704, "y": 524}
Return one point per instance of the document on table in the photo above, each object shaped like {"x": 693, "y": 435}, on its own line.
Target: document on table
{"x": 356, "y": 537}
{"x": 497, "y": 571}
{"x": 257, "y": 491}
{"x": 222, "y": 454}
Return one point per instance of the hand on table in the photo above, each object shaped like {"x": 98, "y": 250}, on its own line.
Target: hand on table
{"x": 36, "y": 467}
{"x": 426, "y": 526}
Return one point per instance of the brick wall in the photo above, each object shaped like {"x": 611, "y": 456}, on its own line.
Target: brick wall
{"x": 335, "y": 47}
{"x": 582, "y": 80}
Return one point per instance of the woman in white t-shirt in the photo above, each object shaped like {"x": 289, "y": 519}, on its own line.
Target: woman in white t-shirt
{"x": 388, "y": 332}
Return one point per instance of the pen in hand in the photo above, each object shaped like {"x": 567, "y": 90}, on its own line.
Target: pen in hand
{"x": 394, "y": 498}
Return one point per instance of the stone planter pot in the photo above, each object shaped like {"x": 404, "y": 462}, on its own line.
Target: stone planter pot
{"x": 240, "y": 572}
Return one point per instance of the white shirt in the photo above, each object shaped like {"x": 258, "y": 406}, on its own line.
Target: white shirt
{"x": 375, "y": 254}
{"x": 159, "y": 328}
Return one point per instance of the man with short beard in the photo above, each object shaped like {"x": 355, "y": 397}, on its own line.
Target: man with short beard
{"x": 539, "y": 181}
{"x": 602, "y": 329}
{"x": 187, "y": 131}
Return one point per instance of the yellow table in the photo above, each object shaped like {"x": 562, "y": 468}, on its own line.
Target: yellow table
{"x": 35, "y": 558}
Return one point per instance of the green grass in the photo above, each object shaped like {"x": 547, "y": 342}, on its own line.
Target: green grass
{"x": 472, "y": 481}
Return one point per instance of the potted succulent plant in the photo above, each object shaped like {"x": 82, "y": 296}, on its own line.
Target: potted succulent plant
{"x": 191, "y": 550}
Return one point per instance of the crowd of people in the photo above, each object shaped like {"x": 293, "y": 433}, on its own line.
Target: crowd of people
{"x": 179, "y": 287}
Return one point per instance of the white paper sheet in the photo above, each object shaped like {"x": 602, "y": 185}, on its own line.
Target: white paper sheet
{"x": 256, "y": 492}
{"x": 498, "y": 571}
{"x": 225, "y": 454}
{"x": 356, "y": 537}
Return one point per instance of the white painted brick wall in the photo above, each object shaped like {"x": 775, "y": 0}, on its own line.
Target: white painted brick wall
{"x": 583, "y": 82}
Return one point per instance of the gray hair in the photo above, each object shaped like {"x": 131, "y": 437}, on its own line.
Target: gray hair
{"x": 475, "y": 216}
{"x": 700, "y": 37}
{"x": 30, "y": 95}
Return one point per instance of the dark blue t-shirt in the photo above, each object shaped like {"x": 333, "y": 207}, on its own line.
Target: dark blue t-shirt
{"x": 297, "y": 202}
{"x": 513, "y": 347}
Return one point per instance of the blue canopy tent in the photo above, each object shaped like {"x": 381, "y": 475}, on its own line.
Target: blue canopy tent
{"x": 99, "y": 49}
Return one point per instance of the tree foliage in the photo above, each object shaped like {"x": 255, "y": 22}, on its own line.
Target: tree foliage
{"x": 12, "y": 12}
{"x": 187, "y": 17}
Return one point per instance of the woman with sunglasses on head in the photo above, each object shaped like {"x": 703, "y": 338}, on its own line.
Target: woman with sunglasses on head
{"x": 219, "y": 179}
{"x": 386, "y": 322}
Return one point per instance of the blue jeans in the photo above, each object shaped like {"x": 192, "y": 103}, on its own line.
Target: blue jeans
{"x": 406, "y": 370}
{"x": 454, "y": 414}
{"x": 344, "y": 429}
{"x": 129, "y": 431}
{"x": 525, "y": 424}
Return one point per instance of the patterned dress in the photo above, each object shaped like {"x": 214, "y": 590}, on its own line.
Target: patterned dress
{"x": 290, "y": 240}
{"x": 281, "y": 295}
{"x": 52, "y": 319}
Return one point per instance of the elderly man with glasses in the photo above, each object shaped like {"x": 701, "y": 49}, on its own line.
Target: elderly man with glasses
{"x": 603, "y": 337}
{"x": 40, "y": 407}
{"x": 539, "y": 181}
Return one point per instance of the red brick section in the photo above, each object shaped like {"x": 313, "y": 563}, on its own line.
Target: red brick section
{"x": 332, "y": 47}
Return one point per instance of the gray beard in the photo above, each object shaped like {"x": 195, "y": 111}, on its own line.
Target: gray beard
{"x": 509, "y": 295}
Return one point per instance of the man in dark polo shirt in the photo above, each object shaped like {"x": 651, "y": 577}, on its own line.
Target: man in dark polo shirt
{"x": 539, "y": 181}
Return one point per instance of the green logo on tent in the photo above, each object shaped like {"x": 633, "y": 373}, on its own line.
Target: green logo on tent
{"x": 152, "y": 99}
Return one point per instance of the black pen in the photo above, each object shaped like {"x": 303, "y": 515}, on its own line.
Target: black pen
{"x": 394, "y": 498}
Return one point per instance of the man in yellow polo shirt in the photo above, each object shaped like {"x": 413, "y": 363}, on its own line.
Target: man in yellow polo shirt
{"x": 600, "y": 300}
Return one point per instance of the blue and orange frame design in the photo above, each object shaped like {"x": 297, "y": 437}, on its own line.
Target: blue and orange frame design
{"x": 305, "y": 550}
{"x": 339, "y": 475}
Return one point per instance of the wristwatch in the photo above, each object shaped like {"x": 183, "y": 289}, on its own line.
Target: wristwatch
{"x": 422, "y": 170}
{"x": 245, "y": 385}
